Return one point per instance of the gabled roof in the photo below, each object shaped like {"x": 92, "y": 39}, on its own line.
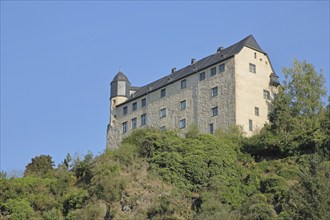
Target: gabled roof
{"x": 204, "y": 63}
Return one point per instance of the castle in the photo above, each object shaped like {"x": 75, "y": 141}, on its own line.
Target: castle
{"x": 233, "y": 86}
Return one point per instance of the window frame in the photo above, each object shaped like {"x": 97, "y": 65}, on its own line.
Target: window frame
{"x": 266, "y": 94}
{"x": 143, "y": 102}
{"x": 252, "y": 68}
{"x": 124, "y": 127}
{"x": 202, "y": 76}
{"x": 163, "y": 113}
{"x": 134, "y": 123}
{"x": 215, "y": 111}
{"x": 143, "y": 119}
{"x": 213, "y": 71}
{"x": 184, "y": 84}
{"x": 183, "y": 104}
{"x": 214, "y": 91}
{"x": 250, "y": 125}
{"x": 134, "y": 106}
{"x": 125, "y": 110}
{"x": 163, "y": 92}
{"x": 256, "y": 111}
{"x": 182, "y": 123}
{"x": 222, "y": 68}
{"x": 211, "y": 128}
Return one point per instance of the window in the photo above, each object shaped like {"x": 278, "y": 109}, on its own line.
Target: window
{"x": 163, "y": 113}
{"x": 182, "y": 123}
{"x": 250, "y": 125}
{"x": 211, "y": 128}
{"x": 124, "y": 127}
{"x": 125, "y": 110}
{"x": 201, "y": 76}
{"x": 143, "y": 102}
{"x": 134, "y": 106}
{"x": 134, "y": 123}
{"x": 162, "y": 128}
{"x": 183, "y": 104}
{"x": 255, "y": 55}
{"x": 214, "y": 91}
{"x": 215, "y": 111}
{"x": 143, "y": 119}
{"x": 266, "y": 94}
{"x": 184, "y": 84}
{"x": 252, "y": 68}
{"x": 222, "y": 68}
{"x": 256, "y": 111}
{"x": 213, "y": 71}
{"x": 163, "y": 93}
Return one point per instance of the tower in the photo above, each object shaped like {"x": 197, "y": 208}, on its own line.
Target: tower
{"x": 120, "y": 91}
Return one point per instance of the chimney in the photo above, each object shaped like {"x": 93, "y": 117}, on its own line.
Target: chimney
{"x": 219, "y": 49}
{"x": 193, "y": 61}
{"x": 173, "y": 70}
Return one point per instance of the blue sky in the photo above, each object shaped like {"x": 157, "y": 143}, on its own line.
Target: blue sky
{"x": 58, "y": 58}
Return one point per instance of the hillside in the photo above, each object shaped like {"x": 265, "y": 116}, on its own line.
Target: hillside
{"x": 281, "y": 173}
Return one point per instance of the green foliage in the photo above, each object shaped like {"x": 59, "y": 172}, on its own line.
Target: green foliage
{"x": 295, "y": 122}
{"x": 39, "y": 166}
{"x": 83, "y": 169}
{"x": 106, "y": 183}
{"x": 74, "y": 200}
{"x": 18, "y": 209}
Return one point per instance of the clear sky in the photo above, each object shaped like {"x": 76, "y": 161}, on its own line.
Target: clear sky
{"x": 58, "y": 58}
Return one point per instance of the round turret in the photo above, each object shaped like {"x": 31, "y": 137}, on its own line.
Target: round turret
{"x": 120, "y": 85}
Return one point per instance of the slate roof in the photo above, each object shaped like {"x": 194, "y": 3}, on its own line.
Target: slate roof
{"x": 204, "y": 63}
{"x": 120, "y": 76}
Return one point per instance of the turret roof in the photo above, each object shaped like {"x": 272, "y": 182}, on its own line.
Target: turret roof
{"x": 120, "y": 76}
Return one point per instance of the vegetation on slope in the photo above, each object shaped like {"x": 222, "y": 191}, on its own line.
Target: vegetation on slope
{"x": 281, "y": 173}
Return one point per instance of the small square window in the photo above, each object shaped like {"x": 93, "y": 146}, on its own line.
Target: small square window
{"x": 184, "y": 84}
{"x": 163, "y": 113}
{"x": 143, "y": 102}
{"x": 256, "y": 111}
{"x": 214, "y": 91}
{"x": 125, "y": 110}
{"x": 182, "y": 123}
{"x": 213, "y": 71}
{"x": 252, "y": 68}
{"x": 211, "y": 127}
{"x": 183, "y": 104}
{"x": 222, "y": 68}
{"x": 215, "y": 111}
{"x": 134, "y": 123}
{"x": 134, "y": 106}
{"x": 266, "y": 94}
{"x": 143, "y": 119}
{"x": 250, "y": 125}
{"x": 163, "y": 93}
{"x": 201, "y": 76}
{"x": 124, "y": 125}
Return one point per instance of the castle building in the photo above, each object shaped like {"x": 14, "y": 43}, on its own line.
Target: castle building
{"x": 234, "y": 86}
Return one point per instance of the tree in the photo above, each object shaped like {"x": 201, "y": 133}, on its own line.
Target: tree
{"x": 39, "y": 166}
{"x": 299, "y": 98}
{"x": 295, "y": 121}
